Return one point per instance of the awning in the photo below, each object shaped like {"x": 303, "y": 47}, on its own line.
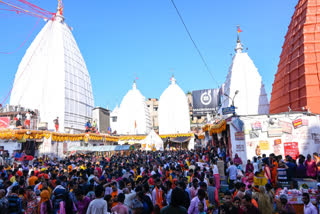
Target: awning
{"x": 218, "y": 127}
{"x": 215, "y": 128}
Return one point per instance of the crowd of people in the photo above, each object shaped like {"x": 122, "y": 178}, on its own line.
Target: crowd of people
{"x": 150, "y": 183}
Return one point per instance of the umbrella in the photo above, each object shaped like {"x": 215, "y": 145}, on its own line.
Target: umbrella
{"x": 26, "y": 157}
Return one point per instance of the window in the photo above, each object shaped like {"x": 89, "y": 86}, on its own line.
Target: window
{"x": 114, "y": 119}
{"x": 148, "y": 106}
{"x": 155, "y": 108}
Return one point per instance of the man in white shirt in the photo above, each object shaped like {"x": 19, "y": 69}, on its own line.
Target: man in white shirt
{"x": 98, "y": 205}
{"x": 309, "y": 208}
{"x": 233, "y": 172}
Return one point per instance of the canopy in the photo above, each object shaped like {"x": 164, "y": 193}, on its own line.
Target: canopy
{"x": 152, "y": 142}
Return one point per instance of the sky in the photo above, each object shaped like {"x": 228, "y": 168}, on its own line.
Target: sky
{"x": 124, "y": 40}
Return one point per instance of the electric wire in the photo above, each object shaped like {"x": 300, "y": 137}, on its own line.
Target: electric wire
{"x": 194, "y": 44}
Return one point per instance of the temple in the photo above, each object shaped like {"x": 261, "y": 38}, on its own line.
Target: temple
{"x": 243, "y": 87}
{"x": 53, "y": 78}
{"x": 173, "y": 111}
{"x": 133, "y": 116}
{"x": 297, "y": 82}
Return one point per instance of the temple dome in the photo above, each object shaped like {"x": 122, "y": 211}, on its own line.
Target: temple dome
{"x": 53, "y": 78}
{"x": 173, "y": 111}
{"x": 244, "y": 85}
{"x": 133, "y": 115}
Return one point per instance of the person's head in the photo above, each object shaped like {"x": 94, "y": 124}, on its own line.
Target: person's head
{"x": 248, "y": 161}
{"x": 231, "y": 162}
{"x": 201, "y": 194}
{"x": 203, "y": 186}
{"x": 109, "y": 200}
{"x": 114, "y": 187}
{"x": 212, "y": 181}
{"x": 305, "y": 198}
{"x": 158, "y": 182}
{"x": 99, "y": 191}
{"x": 227, "y": 199}
{"x": 242, "y": 187}
{"x": 308, "y": 157}
{"x": 121, "y": 197}
{"x": 177, "y": 197}
{"x": 283, "y": 199}
{"x": 255, "y": 159}
{"x": 15, "y": 189}
{"x": 246, "y": 200}
{"x": 236, "y": 202}
{"x": 195, "y": 183}
{"x": 79, "y": 194}
{"x": 315, "y": 155}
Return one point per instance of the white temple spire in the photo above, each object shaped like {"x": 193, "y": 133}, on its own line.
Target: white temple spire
{"x": 239, "y": 47}
{"x": 134, "y": 86}
{"x": 52, "y": 77}
{"x": 173, "y": 80}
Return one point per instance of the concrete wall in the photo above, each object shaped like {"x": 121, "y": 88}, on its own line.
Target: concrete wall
{"x": 102, "y": 117}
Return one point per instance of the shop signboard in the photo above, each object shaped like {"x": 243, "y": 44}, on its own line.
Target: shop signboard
{"x": 297, "y": 123}
{"x": 256, "y": 126}
{"x": 4, "y": 122}
{"x": 205, "y": 101}
{"x": 264, "y": 145}
{"x": 292, "y": 149}
{"x": 286, "y": 127}
{"x": 239, "y": 135}
{"x": 228, "y": 110}
{"x": 277, "y": 142}
{"x": 274, "y": 132}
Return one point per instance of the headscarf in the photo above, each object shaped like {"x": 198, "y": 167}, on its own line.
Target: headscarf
{"x": 237, "y": 160}
{"x": 32, "y": 203}
{"x": 44, "y": 196}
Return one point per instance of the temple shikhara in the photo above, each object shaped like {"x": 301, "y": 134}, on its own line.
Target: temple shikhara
{"x": 243, "y": 87}
{"x": 53, "y": 78}
{"x": 133, "y": 116}
{"x": 173, "y": 110}
{"x": 297, "y": 81}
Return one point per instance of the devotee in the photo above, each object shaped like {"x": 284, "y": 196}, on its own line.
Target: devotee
{"x": 283, "y": 207}
{"x": 56, "y": 124}
{"x": 233, "y": 172}
{"x": 311, "y": 167}
{"x": 98, "y": 205}
{"x": 248, "y": 207}
{"x": 120, "y": 208}
{"x": 194, "y": 205}
{"x": 176, "y": 203}
{"x": 264, "y": 204}
{"x": 309, "y": 208}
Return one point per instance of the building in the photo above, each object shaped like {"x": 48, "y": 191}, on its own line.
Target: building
{"x": 102, "y": 118}
{"x": 173, "y": 110}
{"x": 114, "y": 119}
{"x": 53, "y": 78}
{"x": 297, "y": 83}
{"x": 243, "y": 87}
{"x": 134, "y": 116}
{"x": 153, "y": 105}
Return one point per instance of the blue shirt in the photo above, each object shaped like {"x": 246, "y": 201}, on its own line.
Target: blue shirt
{"x": 233, "y": 172}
